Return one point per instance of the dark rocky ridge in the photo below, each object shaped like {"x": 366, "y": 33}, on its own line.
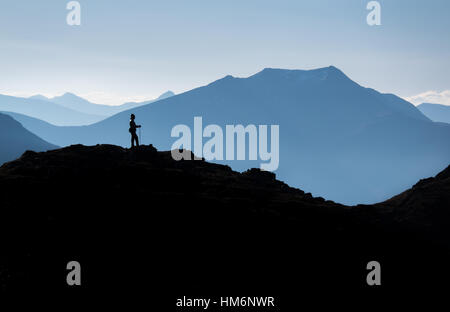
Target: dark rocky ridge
{"x": 195, "y": 225}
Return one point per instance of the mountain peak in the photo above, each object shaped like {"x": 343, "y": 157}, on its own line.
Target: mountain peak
{"x": 273, "y": 69}
{"x": 69, "y": 97}
{"x": 166, "y": 95}
{"x": 39, "y": 97}
{"x": 301, "y": 74}
{"x": 220, "y": 81}
{"x": 227, "y": 77}
{"x": 331, "y": 67}
{"x": 69, "y": 94}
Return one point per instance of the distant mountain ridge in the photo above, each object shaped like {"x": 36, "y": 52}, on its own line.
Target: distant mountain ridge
{"x": 77, "y": 103}
{"x": 47, "y": 129}
{"x": 338, "y": 139}
{"x": 436, "y": 112}
{"x": 74, "y": 102}
{"x": 47, "y": 111}
{"x": 66, "y": 110}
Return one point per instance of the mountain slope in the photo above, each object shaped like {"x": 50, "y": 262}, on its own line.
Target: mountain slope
{"x": 15, "y": 140}
{"x": 47, "y": 111}
{"x": 337, "y": 139}
{"x": 436, "y": 112}
{"x": 425, "y": 205}
{"x": 34, "y": 125}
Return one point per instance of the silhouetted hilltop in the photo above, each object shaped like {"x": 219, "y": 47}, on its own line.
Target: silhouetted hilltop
{"x": 147, "y": 169}
{"x": 143, "y": 216}
{"x": 426, "y": 206}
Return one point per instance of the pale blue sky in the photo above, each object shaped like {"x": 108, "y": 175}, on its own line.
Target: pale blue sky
{"x": 137, "y": 49}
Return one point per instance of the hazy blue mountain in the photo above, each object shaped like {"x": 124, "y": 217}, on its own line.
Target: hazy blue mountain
{"x": 338, "y": 140}
{"x": 436, "y": 112}
{"x": 34, "y": 125}
{"x": 15, "y": 140}
{"x": 77, "y": 103}
{"x": 39, "y": 97}
{"x": 66, "y": 110}
{"x": 47, "y": 111}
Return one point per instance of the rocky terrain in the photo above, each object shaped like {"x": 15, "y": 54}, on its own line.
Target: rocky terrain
{"x": 137, "y": 218}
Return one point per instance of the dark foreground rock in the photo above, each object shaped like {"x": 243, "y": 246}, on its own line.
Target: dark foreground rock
{"x": 141, "y": 223}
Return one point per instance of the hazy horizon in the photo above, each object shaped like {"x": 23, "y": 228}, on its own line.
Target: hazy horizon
{"x": 433, "y": 97}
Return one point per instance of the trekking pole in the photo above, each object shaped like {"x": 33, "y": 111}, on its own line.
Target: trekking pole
{"x": 140, "y": 140}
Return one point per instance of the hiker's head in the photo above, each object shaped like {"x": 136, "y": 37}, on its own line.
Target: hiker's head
{"x": 132, "y": 117}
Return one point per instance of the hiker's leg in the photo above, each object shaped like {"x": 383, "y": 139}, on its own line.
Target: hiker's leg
{"x": 134, "y": 138}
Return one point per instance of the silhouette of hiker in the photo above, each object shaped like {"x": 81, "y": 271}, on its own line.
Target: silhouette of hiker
{"x": 133, "y": 127}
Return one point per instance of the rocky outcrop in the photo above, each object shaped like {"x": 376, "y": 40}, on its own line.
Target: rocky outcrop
{"x": 145, "y": 217}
